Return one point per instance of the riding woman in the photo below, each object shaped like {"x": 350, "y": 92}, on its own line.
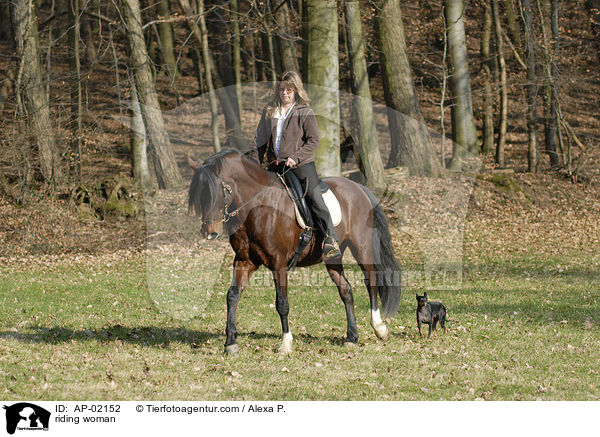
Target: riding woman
{"x": 287, "y": 133}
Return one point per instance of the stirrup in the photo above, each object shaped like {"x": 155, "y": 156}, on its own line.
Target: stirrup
{"x": 331, "y": 249}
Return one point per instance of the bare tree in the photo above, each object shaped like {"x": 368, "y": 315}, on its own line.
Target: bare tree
{"x": 235, "y": 133}
{"x": 286, "y": 37}
{"x": 363, "y": 107}
{"x": 486, "y": 61}
{"x": 463, "y": 123}
{"x": 30, "y": 87}
{"x": 323, "y": 75}
{"x": 411, "y": 142}
{"x": 165, "y": 165}
{"x": 502, "y": 122}
{"x": 236, "y": 52}
{"x": 139, "y": 145}
{"x": 531, "y": 89}
{"x": 593, "y": 7}
{"x": 165, "y": 31}
{"x": 76, "y": 101}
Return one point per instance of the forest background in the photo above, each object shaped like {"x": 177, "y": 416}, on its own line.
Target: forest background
{"x": 102, "y": 102}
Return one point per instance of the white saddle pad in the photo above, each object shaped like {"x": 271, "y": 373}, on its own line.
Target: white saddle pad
{"x": 332, "y": 205}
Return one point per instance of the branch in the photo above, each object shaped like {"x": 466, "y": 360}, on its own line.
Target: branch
{"x": 515, "y": 51}
{"x": 571, "y": 133}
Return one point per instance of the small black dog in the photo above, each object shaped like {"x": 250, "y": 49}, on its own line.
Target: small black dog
{"x": 430, "y": 313}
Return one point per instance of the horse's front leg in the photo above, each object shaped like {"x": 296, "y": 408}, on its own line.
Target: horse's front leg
{"x": 242, "y": 270}
{"x": 283, "y": 309}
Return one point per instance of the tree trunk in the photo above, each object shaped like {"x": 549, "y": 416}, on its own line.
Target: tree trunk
{"x": 531, "y": 90}
{"x": 165, "y": 165}
{"x": 8, "y": 84}
{"x": 488, "y": 100}
{"x": 411, "y": 142}
{"x": 88, "y": 36}
{"x": 6, "y": 32}
{"x": 235, "y": 133}
{"x": 165, "y": 31}
{"x": 270, "y": 48}
{"x": 366, "y": 136}
{"x": 139, "y": 145}
{"x": 552, "y": 123}
{"x": 31, "y": 88}
{"x": 287, "y": 38}
{"x": 76, "y": 102}
{"x": 546, "y": 9}
{"x": 513, "y": 24}
{"x": 237, "y": 53}
{"x": 500, "y": 146}
{"x": 199, "y": 31}
{"x": 209, "y": 71}
{"x": 303, "y": 12}
{"x": 323, "y": 77}
{"x": 593, "y": 7}
{"x": 463, "y": 122}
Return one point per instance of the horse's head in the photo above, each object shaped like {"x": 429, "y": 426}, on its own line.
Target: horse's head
{"x": 207, "y": 197}
{"x": 218, "y": 183}
{"x": 210, "y": 196}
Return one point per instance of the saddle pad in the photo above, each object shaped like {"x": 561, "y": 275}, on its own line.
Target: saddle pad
{"x": 332, "y": 205}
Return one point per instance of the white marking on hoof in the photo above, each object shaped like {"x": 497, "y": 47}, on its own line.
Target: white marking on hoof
{"x": 381, "y": 330}
{"x": 286, "y": 344}
{"x": 232, "y": 349}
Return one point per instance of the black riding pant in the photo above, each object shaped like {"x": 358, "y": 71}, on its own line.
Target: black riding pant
{"x": 314, "y": 197}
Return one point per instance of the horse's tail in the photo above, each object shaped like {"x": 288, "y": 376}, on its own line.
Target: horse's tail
{"x": 388, "y": 273}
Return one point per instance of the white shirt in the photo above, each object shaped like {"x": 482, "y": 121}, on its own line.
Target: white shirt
{"x": 280, "y": 120}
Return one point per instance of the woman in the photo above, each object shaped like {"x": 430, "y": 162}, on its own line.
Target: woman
{"x": 287, "y": 133}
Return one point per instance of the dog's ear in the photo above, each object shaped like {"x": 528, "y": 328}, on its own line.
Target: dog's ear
{"x": 425, "y": 296}
{"x": 417, "y": 296}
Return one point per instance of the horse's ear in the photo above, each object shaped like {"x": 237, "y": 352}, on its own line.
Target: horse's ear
{"x": 193, "y": 164}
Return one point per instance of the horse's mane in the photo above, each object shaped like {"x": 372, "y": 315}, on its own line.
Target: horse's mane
{"x": 205, "y": 187}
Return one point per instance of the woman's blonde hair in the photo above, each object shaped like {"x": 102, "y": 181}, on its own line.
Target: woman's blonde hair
{"x": 289, "y": 79}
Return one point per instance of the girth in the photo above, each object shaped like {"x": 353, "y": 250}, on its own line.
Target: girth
{"x": 297, "y": 193}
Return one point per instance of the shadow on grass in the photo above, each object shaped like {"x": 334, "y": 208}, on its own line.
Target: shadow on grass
{"x": 145, "y": 336}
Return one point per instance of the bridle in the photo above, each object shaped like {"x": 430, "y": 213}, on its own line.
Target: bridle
{"x": 228, "y": 192}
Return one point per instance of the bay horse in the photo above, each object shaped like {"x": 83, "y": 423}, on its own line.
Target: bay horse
{"x": 230, "y": 190}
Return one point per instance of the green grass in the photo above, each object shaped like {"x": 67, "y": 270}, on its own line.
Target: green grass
{"x": 520, "y": 328}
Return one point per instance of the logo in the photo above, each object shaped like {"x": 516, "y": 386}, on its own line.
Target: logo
{"x": 26, "y": 417}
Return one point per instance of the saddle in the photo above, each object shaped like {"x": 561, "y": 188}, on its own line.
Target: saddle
{"x": 297, "y": 193}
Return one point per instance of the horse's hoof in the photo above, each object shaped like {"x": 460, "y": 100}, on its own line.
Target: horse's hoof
{"x": 232, "y": 349}
{"x": 349, "y": 344}
{"x": 285, "y": 349}
{"x": 382, "y": 332}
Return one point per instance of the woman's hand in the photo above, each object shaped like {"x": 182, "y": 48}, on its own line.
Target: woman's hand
{"x": 290, "y": 163}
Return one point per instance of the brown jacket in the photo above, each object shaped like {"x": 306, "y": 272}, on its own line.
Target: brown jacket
{"x": 299, "y": 137}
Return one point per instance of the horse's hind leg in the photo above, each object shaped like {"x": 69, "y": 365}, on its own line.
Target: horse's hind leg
{"x": 380, "y": 328}
{"x": 242, "y": 270}
{"x": 336, "y": 272}
{"x": 364, "y": 258}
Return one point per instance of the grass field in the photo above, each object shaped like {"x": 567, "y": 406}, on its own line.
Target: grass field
{"x": 521, "y": 327}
